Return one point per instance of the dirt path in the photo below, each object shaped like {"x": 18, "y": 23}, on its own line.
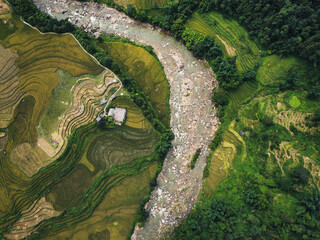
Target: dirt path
{"x": 192, "y": 119}
{"x": 231, "y": 51}
{"x": 111, "y": 98}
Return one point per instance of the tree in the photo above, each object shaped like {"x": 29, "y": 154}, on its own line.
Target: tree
{"x": 131, "y": 10}
{"x": 201, "y": 48}
{"x": 178, "y": 28}
{"x": 312, "y": 202}
{"x": 290, "y": 82}
{"x": 214, "y": 52}
{"x": 300, "y": 175}
{"x": 220, "y": 97}
{"x": 314, "y": 93}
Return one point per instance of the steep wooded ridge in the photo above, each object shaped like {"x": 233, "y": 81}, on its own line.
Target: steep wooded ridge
{"x": 262, "y": 177}
{"x": 285, "y": 27}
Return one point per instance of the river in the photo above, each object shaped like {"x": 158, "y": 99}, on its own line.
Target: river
{"x": 193, "y": 117}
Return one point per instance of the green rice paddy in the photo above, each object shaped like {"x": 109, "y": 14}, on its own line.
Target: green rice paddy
{"x": 275, "y": 68}
{"x": 222, "y": 159}
{"x": 147, "y": 71}
{"x": 142, "y": 4}
{"x": 240, "y": 95}
{"x": 232, "y": 37}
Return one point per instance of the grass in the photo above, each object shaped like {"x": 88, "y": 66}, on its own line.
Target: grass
{"x": 275, "y": 68}
{"x": 230, "y": 35}
{"x": 240, "y": 95}
{"x": 115, "y": 215}
{"x": 118, "y": 146}
{"x": 148, "y": 73}
{"x": 134, "y": 118}
{"x": 222, "y": 158}
{"x": 142, "y": 4}
{"x": 96, "y": 167}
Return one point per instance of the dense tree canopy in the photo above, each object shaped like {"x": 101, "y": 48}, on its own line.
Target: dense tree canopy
{"x": 286, "y": 27}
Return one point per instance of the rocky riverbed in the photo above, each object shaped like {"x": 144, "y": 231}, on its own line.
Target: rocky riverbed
{"x": 193, "y": 117}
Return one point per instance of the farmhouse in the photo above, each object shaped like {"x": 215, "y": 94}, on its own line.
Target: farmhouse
{"x": 119, "y": 115}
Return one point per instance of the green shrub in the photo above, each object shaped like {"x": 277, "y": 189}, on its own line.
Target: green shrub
{"x": 195, "y": 158}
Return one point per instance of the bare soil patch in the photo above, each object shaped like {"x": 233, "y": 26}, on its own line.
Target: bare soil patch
{"x": 231, "y": 51}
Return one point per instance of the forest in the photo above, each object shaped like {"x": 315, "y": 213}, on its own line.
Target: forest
{"x": 258, "y": 199}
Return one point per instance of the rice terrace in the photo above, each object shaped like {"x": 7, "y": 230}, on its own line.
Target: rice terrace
{"x": 156, "y": 119}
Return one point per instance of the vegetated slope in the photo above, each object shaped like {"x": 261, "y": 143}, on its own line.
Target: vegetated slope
{"x": 27, "y": 79}
{"x": 264, "y": 167}
{"x": 142, "y": 4}
{"x": 285, "y": 27}
{"x": 33, "y": 60}
{"x": 38, "y": 58}
{"x": 192, "y": 86}
{"x": 125, "y": 186}
{"x": 273, "y": 176}
{"x": 148, "y": 73}
{"x": 231, "y": 36}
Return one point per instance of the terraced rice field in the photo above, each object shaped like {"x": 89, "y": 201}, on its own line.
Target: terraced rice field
{"x": 147, "y": 71}
{"x": 30, "y": 63}
{"x": 239, "y": 95}
{"x": 142, "y": 4}
{"x": 114, "y": 216}
{"x": 37, "y": 212}
{"x": 86, "y": 94}
{"x": 124, "y": 188}
{"x": 134, "y": 118}
{"x": 120, "y": 146}
{"x": 275, "y": 68}
{"x": 111, "y": 168}
{"x": 222, "y": 159}
{"x": 109, "y": 200}
{"x": 232, "y": 37}
{"x": 107, "y": 149}
{"x": 285, "y": 115}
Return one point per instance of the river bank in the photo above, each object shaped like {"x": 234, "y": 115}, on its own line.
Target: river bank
{"x": 193, "y": 118}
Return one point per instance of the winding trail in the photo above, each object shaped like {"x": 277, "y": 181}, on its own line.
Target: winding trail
{"x": 193, "y": 119}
